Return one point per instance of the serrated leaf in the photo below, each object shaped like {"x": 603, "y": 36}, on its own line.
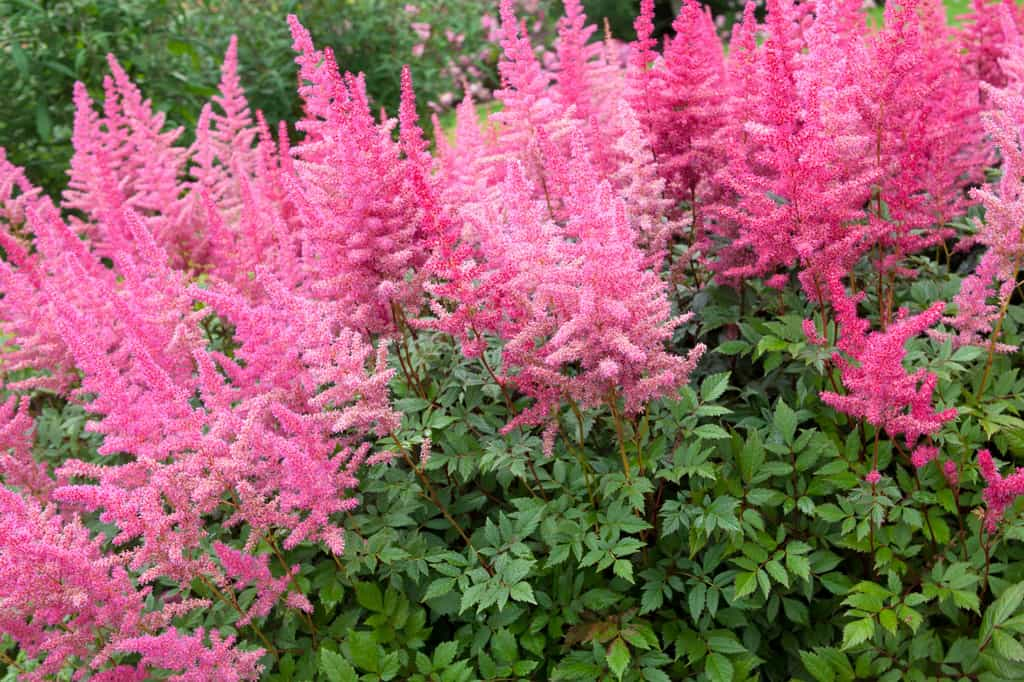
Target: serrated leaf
{"x": 369, "y": 596}
{"x": 858, "y": 631}
{"x": 503, "y": 644}
{"x": 776, "y": 570}
{"x": 714, "y": 386}
{"x": 711, "y": 432}
{"x": 784, "y": 420}
{"x": 1001, "y": 609}
{"x": 746, "y": 583}
{"x": 439, "y": 588}
{"x": 624, "y": 569}
{"x": 817, "y": 666}
{"x": 733, "y": 347}
{"x": 336, "y": 668}
{"x": 651, "y": 600}
{"x": 618, "y": 657}
{"x": 522, "y": 591}
{"x": 695, "y": 599}
{"x": 444, "y": 654}
{"x": 887, "y": 619}
{"x": 718, "y": 668}
{"x": 655, "y": 675}
{"x": 798, "y": 565}
{"x": 725, "y": 644}
{"x": 1007, "y": 646}
{"x": 364, "y": 651}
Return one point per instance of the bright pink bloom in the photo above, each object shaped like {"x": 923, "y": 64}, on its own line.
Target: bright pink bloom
{"x": 1002, "y": 232}
{"x": 873, "y": 477}
{"x": 952, "y": 473}
{"x": 1001, "y": 492}
{"x": 354, "y": 189}
{"x": 125, "y": 159}
{"x": 923, "y": 454}
{"x": 880, "y": 390}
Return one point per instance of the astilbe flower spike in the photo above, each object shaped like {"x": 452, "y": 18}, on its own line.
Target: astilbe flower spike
{"x": 353, "y": 187}
{"x": 244, "y": 570}
{"x": 681, "y": 99}
{"x": 589, "y": 294}
{"x": 790, "y": 202}
{"x": 1002, "y": 232}
{"x": 1001, "y": 491}
{"x": 880, "y": 390}
{"x": 125, "y": 159}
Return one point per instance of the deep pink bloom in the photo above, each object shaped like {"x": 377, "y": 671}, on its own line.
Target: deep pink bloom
{"x": 923, "y": 454}
{"x": 879, "y": 388}
{"x": 1000, "y": 492}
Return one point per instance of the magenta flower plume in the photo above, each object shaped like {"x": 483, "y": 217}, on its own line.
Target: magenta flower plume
{"x": 354, "y": 188}
{"x": 1000, "y": 492}
{"x": 986, "y": 292}
{"x": 124, "y": 159}
{"x": 879, "y": 388}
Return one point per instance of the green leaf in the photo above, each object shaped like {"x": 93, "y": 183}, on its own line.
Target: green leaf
{"x": 655, "y": 675}
{"x": 1001, "y": 609}
{"x": 369, "y": 596}
{"x": 439, "y": 588}
{"x": 798, "y": 565}
{"x": 696, "y": 599}
{"x": 776, "y": 570}
{"x": 651, "y": 599}
{"x": 19, "y": 58}
{"x": 714, "y": 386}
{"x": 725, "y": 643}
{"x": 745, "y": 584}
{"x": 44, "y": 124}
{"x": 364, "y": 651}
{"x": 522, "y": 591}
{"x": 718, "y": 668}
{"x": 1007, "y": 646}
{"x": 784, "y": 420}
{"x": 887, "y": 618}
{"x": 503, "y": 644}
{"x": 858, "y": 631}
{"x": 336, "y": 668}
{"x": 711, "y": 432}
{"x": 444, "y": 654}
{"x": 817, "y": 666}
{"x": 733, "y": 347}
{"x": 624, "y": 569}
{"x": 618, "y": 657}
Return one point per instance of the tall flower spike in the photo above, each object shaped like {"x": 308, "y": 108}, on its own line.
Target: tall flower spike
{"x": 985, "y": 292}
{"x": 880, "y": 390}
{"x": 356, "y": 191}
